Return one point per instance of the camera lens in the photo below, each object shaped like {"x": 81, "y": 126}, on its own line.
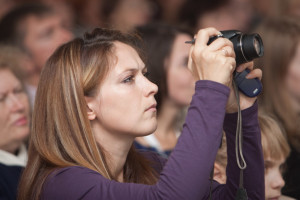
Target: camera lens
{"x": 252, "y": 46}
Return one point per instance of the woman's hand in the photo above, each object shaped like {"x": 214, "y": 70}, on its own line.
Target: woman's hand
{"x": 245, "y": 102}
{"x": 215, "y": 62}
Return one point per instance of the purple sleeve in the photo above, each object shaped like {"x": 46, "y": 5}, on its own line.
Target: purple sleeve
{"x": 186, "y": 173}
{"x": 252, "y": 151}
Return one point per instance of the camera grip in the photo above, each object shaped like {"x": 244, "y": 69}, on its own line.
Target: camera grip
{"x": 249, "y": 87}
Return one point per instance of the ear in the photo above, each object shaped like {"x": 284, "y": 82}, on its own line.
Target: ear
{"x": 90, "y": 111}
{"x": 219, "y": 173}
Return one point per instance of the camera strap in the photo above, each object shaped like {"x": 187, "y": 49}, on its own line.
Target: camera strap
{"x": 241, "y": 193}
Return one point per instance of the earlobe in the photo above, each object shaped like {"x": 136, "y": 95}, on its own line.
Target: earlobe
{"x": 91, "y": 114}
{"x": 219, "y": 173}
{"x": 90, "y": 111}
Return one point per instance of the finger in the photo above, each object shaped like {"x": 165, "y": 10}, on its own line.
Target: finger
{"x": 256, "y": 73}
{"x": 232, "y": 63}
{"x": 203, "y": 36}
{"x": 190, "y": 60}
{"x": 220, "y": 43}
{"x": 242, "y": 67}
{"x": 228, "y": 52}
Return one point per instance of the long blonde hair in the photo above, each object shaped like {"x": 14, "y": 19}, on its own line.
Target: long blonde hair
{"x": 61, "y": 132}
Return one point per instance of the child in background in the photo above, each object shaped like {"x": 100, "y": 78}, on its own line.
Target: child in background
{"x": 275, "y": 151}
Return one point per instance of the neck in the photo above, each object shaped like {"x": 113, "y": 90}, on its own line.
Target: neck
{"x": 116, "y": 148}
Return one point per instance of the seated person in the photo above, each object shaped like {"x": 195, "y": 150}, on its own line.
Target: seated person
{"x": 14, "y": 123}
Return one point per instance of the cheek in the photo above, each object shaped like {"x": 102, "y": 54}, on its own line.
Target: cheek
{"x": 180, "y": 86}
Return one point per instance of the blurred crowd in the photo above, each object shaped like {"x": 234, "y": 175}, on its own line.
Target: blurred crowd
{"x": 30, "y": 31}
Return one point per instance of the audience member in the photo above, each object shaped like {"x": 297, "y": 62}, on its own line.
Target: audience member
{"x": 92, "y": 101}
{"x": 168, "y": 10}
{"x": 14, "y": 123}
{"x": 167, "y": 68}
{"x": 275, "y": 151}
{"x": 124, "y": 15}
{"x": 281, "y": 94}
{"x": 222, "y": 14}
{"x": 37, "y": 30}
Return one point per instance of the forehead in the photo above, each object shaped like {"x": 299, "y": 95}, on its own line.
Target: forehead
{"x": 7, "y": 80}
{"x": 38, "y": 23}
{"x": 126, "y": 57}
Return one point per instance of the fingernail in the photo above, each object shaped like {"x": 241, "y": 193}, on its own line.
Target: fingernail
{"x": 249, "y": 76}
{"x": 239, "y": 69}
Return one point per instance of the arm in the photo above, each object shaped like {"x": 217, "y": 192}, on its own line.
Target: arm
{"x": 185, "y": 175}
{"x": 252, "y": 149}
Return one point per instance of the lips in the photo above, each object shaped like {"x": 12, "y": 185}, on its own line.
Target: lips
{"x": 21, "y": 121}
{"x": 151, "y": 108}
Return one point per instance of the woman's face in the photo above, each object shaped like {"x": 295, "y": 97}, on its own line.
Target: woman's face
{"x": 273, "y": 178}
{"x": 180, "y": 80}
{"x": 125, "y": 104}
{"x": 292, "y": 79}
{"x": 14, "y": 112}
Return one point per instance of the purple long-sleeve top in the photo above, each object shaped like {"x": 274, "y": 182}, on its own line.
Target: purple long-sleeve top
{"x": 186, "y": 173}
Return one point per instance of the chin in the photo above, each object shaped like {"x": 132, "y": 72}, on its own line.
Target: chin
{"x": 149, "y": 130}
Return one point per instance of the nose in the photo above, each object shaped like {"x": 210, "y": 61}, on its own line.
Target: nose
{"x": 278, "y": 181}
{"x": 150, "y": 88}
{"x": 16, "y": 103}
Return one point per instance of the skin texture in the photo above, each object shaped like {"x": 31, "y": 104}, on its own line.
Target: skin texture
{"x": 130, "y": 94}
{"x": 273, "y": 178}
{"x": 14, "y": 115}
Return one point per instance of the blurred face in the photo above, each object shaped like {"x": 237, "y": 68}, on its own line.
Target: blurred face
{"x": 43, "y": 36}
{"x": 237, "y": 14}
{"x": 179, "y": 78}
{"x": 131, "y": 13}
{"x": 273, "y": 178}
{"x": 125, "y": 105}
{"x": 14, "y": 115}
{"x": 292, "y": 79}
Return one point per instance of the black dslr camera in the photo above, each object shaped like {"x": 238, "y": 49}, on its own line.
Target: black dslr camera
{"x": 246, "y": 47}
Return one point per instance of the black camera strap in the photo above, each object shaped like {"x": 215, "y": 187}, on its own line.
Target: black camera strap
{"x": 241, "y": 193}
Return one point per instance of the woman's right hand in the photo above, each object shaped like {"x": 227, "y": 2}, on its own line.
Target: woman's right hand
{"x": 215, "y": 62}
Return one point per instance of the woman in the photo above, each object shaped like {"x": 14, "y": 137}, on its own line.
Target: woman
{"x": 94, "y": 99}
{"x": 14, "y": 122}
{"x": 167, "y": 66}
{"x": 281, "y": 95}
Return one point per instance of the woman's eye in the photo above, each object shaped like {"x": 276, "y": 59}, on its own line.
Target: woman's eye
{"x": 2, "y": 98}
{"x": 19, "y": 90}
{"x": 128, "y": 79}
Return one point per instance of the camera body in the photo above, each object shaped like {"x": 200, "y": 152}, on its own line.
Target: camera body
{"x": 246, "y": 47}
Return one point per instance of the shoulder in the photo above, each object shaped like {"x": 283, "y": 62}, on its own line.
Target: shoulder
{"x": 155, "y": 159}
{"x": 72, "y": 183}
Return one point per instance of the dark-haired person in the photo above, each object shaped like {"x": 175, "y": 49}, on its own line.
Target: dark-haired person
{"x": 94, "y": 99}
{"x": 38, "y": 30}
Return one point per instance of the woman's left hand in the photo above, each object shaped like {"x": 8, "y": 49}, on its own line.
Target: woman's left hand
{"x": 245, "y": 102}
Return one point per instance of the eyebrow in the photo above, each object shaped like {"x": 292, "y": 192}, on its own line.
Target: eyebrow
{"x": 134, "y": 69}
